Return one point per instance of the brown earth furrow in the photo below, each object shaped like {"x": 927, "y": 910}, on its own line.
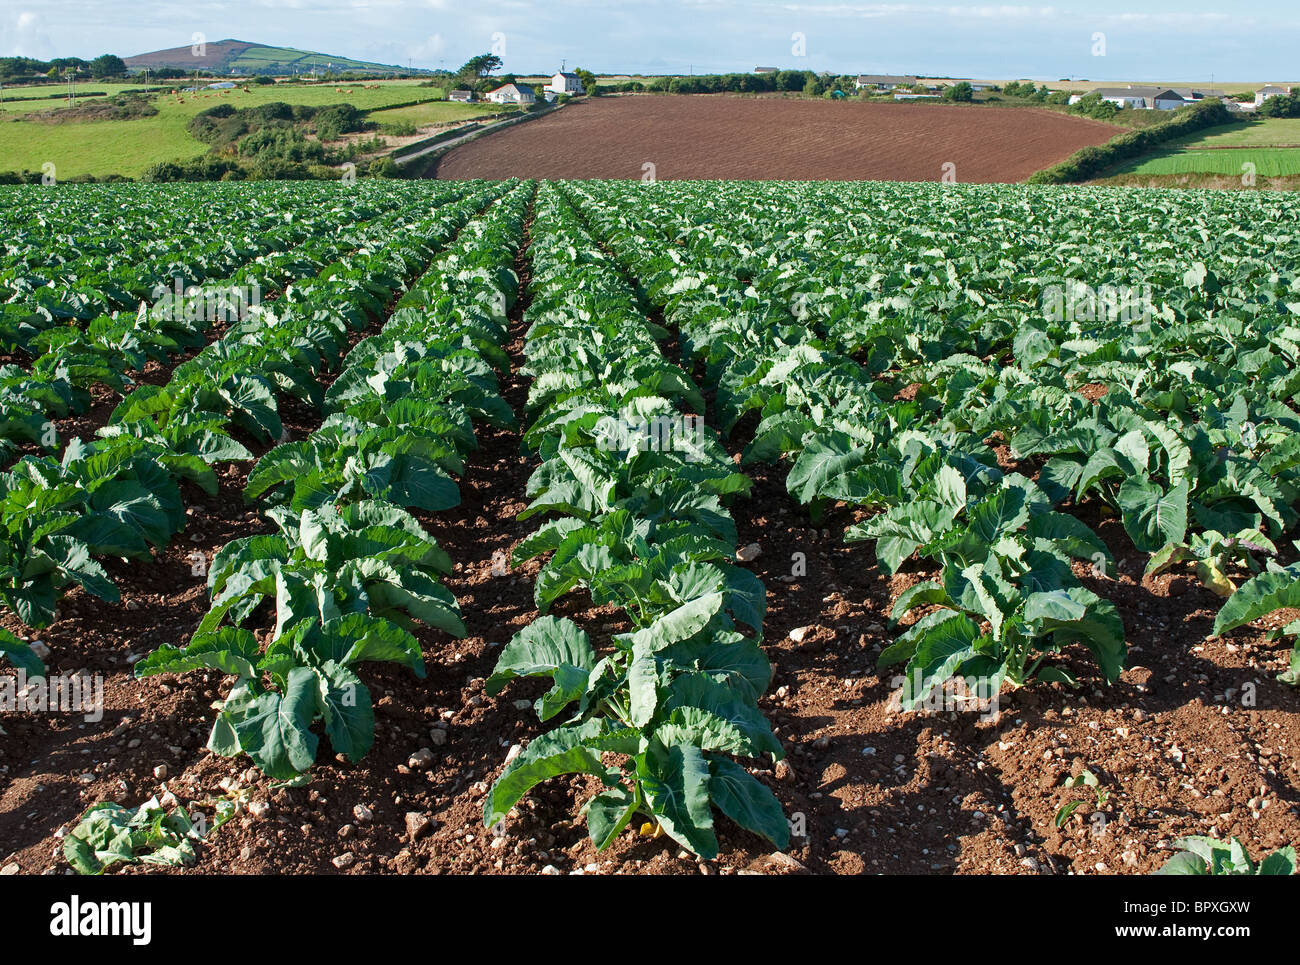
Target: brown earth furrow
{"x": 771, "y": 139}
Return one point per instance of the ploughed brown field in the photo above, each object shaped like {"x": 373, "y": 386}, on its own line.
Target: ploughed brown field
{"x": 772, "y": 139}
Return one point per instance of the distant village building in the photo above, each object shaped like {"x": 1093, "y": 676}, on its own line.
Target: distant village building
{"x": 1264, "y": 93}
{"x": 1138, "y": 98}
{"x": 766, "y": 70}
{"x": 513, "y": 94}
{"x": 884, "y": 81}
{"x": 463, "y": 96}
{"x": 563, "y": 83}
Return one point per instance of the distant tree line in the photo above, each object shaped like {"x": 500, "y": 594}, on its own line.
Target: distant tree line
{"x": 791, "y": 81}
{"x": 15, "y": 70}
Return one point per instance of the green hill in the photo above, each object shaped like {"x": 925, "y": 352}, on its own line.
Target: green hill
{"x": 239, "y": 57}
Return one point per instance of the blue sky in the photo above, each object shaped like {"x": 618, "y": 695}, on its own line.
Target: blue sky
{"x": 1160, "y": 40}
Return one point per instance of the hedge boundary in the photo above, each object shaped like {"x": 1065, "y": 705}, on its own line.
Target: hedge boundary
{"x": 1087, "y": 163}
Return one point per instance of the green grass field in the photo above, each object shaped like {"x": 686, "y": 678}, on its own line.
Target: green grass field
{"x": 26, "y": 107}
{"x": 1269, "y": 162}
{"x": 434, "y": 112}
{"x": 130, "y": 147}
{"x": 1255, "y": 132}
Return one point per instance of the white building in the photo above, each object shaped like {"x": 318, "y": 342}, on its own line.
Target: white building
{"x": 513, "y": 94}
{"x": 563, "y": 83}
{"x": 1264, "y": 93}
{"x": 884, "y": 81}
{"x": 462, "y": 96}
{"x": 1138, "y": 98}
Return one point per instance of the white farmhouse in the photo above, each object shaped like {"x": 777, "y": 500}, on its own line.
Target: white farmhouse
{"x": 563, "y": 83}
{"x": 1138, "y": 98}
{"x": 513, "y": 94}
{"x": 1264, "y": 93}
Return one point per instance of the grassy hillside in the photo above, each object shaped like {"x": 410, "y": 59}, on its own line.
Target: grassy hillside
{"x": 242, "y": 57}
{"x": 130, "y": 147}
{"x": 1255, "y": 132}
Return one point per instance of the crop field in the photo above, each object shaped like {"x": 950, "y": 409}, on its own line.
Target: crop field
{"x": 608, "y": 526}
{"x": 1267, "y": 162}
{"x": 770, "y": 139}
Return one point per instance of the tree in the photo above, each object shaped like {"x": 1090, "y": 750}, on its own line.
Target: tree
{"x": 477, "y": 68}
{"x": 108, "y": 65}
{"x": 587, "y": 79}
{"x": 1092, "y": 105}
{"x": 960, "y": 91}
{"x": 790, "y": 80}
{"x": 1281, "y": 105}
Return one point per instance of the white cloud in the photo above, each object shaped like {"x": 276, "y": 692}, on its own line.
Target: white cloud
{"x": 431, "y": 47}
{"x": 28, "y": 38}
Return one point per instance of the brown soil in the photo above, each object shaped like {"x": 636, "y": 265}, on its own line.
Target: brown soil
{"x": 739, "y": 138}
{"x": 878, "y": 790}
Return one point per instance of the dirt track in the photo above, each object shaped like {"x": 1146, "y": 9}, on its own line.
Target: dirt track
{"x": 773, "y": 139}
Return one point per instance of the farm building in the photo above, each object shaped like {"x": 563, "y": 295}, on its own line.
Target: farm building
{"x": 884, "y": 81}
{"x": 564, "y": 83}
{"x": 1264, "y": 93}
{"x": 1198, "y": 93}
{"x": 513, "y": 94}
{"x": 463, "y": 96}
{"x": 1139, "y": 98}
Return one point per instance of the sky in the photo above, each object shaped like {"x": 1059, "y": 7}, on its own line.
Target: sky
{"x": 1160, "y": 40}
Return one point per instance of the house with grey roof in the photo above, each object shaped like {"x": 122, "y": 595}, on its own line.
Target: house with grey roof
{"x": 884, "y": 81}
{"x": 1138, "y": 98}
{"x": 1271, "y": 90}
